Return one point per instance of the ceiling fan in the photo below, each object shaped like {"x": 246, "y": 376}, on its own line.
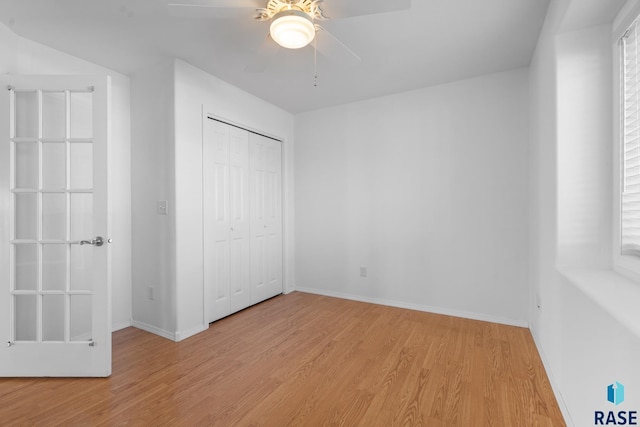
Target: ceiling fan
{"x": 294, "y": 23}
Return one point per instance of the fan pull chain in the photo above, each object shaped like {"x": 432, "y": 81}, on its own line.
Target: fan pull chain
{"x": 315, "y": 61}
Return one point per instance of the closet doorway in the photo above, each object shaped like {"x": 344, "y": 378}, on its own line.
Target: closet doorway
{"x": 242, "y": 241}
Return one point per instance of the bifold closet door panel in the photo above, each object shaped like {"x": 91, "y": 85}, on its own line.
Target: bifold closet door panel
{"x": 266, "y": 217}
{"x": 216, "y": 203}
{"x": 240, "y": 237}
{"x": 227, "y": 238}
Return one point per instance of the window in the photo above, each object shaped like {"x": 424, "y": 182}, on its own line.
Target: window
{"x": 630, "y": 147}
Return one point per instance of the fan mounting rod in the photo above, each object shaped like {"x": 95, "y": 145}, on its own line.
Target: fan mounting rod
{"x": 313, "y": 8}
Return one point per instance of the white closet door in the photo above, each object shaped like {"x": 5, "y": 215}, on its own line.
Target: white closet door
{"x": 266, "y": 217}
{"x": 217, "y": 234}
{"x": 242, "y": 218}
{"x": 240, "y": 241}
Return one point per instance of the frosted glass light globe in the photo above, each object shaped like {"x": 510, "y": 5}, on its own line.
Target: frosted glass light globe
{"x": 292, "y": 29}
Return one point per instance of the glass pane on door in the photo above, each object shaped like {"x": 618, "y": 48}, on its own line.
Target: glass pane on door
{"x": 81, "y": 114}
{"x": 81, "y": 267}
{"x": 81, "y": 165}
{"x": 25, "y": 317}
{"x": 53, "y": 317}
{"x": 54, "y": 166}
{"x": 26, "y": 114}
{"x": 54, "y": 267}
{"x": 54, "y": 216}
{"x": 26, "y": 216}
{"x": 81, "y": 216}
{"x": 27, "y": 165}
{"x": 80, "y": 317}
{"x": 26, "y": 267}
{"x": 54, "y": 105}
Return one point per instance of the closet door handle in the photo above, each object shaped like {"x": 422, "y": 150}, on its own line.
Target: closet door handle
{"x": 232, "y": 228}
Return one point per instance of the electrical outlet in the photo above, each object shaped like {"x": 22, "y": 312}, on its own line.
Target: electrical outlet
{"x": 163, "y": 208}
{"x": 363, "y": 272}
{"x": 150, "y": 292}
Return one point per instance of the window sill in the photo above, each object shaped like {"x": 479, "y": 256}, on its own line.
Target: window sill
{"x": 616, "y": 294}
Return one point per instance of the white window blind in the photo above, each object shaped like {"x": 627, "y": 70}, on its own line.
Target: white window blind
{"x": 630, "y": 209}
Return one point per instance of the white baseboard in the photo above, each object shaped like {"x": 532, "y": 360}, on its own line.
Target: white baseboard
{"x": 177, "y": 336}
{"x": 121, "y": 325}
{"x": 554, "y": 385}
{"x": 181, "y": 335}
{"x": 417, "y": 307}
{"x": 154, "y": 330}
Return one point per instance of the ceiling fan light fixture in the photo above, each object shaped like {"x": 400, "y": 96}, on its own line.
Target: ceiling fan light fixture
{"x": 292, "y": 29}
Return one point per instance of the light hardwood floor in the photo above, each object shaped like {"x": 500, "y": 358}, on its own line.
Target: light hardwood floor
{"x": 305, "y": 360}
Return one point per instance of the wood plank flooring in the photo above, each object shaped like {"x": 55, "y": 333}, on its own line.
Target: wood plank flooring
{"x": 305, "y": 360}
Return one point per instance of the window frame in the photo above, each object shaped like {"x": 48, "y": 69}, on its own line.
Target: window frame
{"x": 626, "y": 265}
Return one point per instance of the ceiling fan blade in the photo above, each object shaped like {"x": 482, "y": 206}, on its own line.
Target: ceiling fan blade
{"x": 348, "y": 9}
{"x": 217, "y": 9}
{"x": 263, "y": 56}
{"x": 234, "y": 4}
{"x": 205, "y": 12}
{"x": 332, "y": 48}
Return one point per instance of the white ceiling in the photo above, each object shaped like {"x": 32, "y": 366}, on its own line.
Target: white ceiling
{"x": 434, "y": 42}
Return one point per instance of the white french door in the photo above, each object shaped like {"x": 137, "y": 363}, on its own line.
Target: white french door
{"x": 54, "y": 257}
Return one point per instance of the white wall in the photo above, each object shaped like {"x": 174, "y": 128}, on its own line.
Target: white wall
{"x": 21, "y": 56}
{"x": 428, "y": 190}
{"x": 194, "y": 89}
{"x": 152, "y": 159}
{"x": 580, "y": 310}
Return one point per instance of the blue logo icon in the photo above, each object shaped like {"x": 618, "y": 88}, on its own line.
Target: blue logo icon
{"x": 615, "y": 393}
